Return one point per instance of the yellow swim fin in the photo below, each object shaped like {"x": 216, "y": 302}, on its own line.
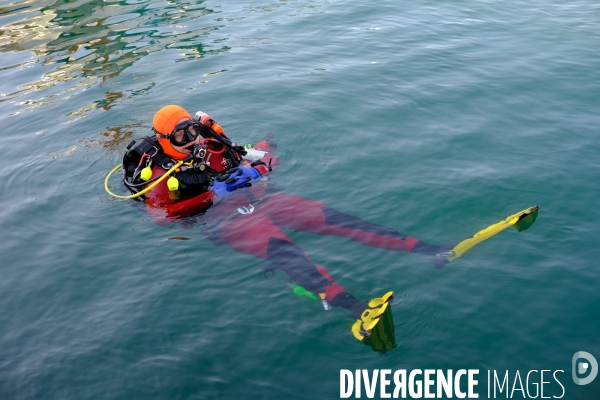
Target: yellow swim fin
{"x": 370, "y": 317}
{"x": 520, "y": 221}
{"x": 383, "y": 336}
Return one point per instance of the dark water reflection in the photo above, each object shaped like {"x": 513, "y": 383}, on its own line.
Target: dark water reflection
{"x": 88, "y": 42}
{"x": 435, "y": 119}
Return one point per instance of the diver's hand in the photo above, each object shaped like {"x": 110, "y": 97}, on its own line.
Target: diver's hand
{"x": 233, "y": 179}
{"x": 241, "y": 172}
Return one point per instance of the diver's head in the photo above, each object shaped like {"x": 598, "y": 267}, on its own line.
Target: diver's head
{"x": 176, "y": 131}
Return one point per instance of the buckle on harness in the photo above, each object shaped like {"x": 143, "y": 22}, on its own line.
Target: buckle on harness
{"x": 155, "y": 151}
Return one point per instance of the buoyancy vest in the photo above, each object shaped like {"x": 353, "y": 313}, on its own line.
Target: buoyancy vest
{"x": 147, "y": 152}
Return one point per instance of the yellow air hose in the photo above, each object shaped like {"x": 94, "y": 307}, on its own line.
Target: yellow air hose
{"x": 149, "y": 188}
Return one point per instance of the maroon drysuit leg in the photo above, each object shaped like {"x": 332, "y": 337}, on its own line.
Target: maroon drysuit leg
{"x": 256, "y": 234}
{"x": 260, "y": 234}
{"x": 302, "y": 215}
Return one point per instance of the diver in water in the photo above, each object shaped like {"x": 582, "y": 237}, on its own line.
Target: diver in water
{"x": 190, "y": 169}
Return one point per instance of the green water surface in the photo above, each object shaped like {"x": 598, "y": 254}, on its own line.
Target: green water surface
{"x": 433, "y": 118}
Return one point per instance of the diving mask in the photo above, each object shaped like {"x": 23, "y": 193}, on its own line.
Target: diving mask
{"x": 185, "y": 132}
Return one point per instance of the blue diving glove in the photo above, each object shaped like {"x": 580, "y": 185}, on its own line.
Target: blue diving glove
{"x": 233, "y": 179}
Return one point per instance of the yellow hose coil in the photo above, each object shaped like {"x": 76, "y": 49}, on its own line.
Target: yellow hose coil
{"x": 149, "y": 188}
